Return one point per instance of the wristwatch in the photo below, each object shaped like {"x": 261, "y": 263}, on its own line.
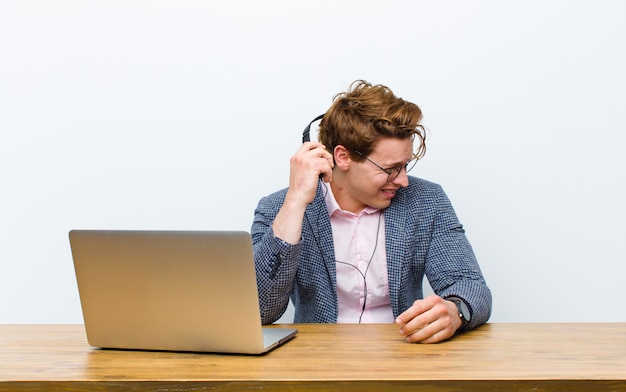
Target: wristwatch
{"x": 464, "y": 313}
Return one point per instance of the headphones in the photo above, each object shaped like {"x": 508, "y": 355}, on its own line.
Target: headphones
{"x": 306, "y": 135}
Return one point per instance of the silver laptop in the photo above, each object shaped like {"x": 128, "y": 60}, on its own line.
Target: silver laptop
{"x": 171, "y": 291}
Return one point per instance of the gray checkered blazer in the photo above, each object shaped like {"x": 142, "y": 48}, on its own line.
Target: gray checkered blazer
{"x": 423, "y": 236}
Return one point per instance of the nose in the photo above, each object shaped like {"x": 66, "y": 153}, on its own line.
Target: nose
{"x": 402, "y": 180}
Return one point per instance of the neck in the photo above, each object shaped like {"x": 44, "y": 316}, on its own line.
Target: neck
{"x": 343, "y": 198}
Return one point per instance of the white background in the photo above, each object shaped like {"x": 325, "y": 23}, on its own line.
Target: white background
{"x": 182, "y": 114}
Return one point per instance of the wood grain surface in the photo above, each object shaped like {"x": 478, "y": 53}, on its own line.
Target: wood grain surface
{"x": 525, "y": 356}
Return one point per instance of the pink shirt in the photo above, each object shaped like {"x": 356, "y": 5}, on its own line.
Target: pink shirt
{"x": 361, "y": 262}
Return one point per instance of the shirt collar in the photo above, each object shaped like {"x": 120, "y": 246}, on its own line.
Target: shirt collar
{"x": 333, "y": 207}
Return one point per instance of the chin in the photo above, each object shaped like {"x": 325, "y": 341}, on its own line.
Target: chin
{"x": 381, "y": 204}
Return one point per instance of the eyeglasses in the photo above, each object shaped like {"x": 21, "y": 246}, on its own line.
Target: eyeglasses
{"x": 394, "y": 172}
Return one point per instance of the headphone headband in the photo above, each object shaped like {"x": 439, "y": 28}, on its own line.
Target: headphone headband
{"x": 306, "y": 135}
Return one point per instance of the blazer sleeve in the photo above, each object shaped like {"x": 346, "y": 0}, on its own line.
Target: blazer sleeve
{"x": 276, "y": 261}
{"x": 451, "y": 267}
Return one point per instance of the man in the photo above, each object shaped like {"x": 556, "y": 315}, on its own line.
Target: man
{"x": 352, "y": 236}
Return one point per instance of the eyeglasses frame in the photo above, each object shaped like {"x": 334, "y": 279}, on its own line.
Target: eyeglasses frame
{"x": 393, "y": 173}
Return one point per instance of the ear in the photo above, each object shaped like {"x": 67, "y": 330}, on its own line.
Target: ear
{"x": 342, "y": 158}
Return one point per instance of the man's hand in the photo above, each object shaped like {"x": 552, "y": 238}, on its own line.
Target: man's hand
{"x": 306, "y": 165}
{"x": 429, "y": 320}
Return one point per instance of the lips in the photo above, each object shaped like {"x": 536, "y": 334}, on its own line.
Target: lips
{"x": 390, "y": 193}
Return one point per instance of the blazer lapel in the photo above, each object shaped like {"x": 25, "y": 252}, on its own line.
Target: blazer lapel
{"x": 395, "y": 240}
{"x": 317, "y": 214}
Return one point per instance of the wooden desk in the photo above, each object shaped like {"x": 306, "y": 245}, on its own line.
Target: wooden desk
{"x": 538, "y": 357}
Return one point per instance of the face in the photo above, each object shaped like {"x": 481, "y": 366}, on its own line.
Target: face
{"x": 364, "y": 184}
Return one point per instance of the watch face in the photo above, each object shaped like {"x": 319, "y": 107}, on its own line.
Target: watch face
{"x": 464, "y": 310}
